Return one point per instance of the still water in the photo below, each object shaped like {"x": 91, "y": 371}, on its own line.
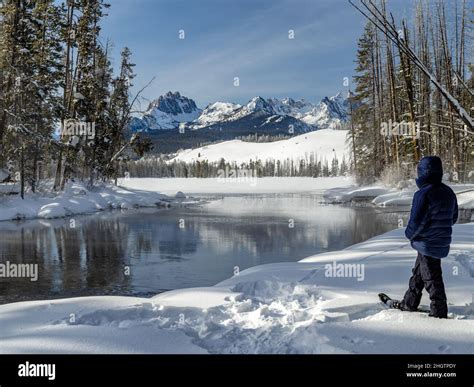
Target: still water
{"x": 146, "y": 251}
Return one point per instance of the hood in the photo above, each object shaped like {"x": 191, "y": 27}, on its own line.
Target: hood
{"x": 430, "y": 171}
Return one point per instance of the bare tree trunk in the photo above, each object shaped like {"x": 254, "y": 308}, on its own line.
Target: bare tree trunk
{"x": 353, "y": 134}
{"x": 59, "y": 175}
{"x": 22, "y": 172}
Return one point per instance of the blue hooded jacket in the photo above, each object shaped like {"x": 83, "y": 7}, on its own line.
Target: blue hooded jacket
{"x": 434, "y": 211}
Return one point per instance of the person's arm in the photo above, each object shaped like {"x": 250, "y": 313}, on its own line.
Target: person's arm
{"x": 455, "y": 212}
{"x": 418, "y": 215}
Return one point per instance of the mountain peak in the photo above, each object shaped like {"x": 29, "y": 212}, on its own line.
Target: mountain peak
{"x": 168, "y": 111}
{"x": 217, "y": 112}
{"x": 332, "y": 111}
{"x": 173, "y": 103}
{"x": 258, "y": 104}
{"x": 339, "y": 98}
{"x": 173, "y": 94}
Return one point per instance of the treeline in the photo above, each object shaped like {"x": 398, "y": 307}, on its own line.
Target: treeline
{"x": 262, "y": 138}
{"x": 62, "y": 109}
{"x": 310, "y": 166}
{"x": 417, "y": 73}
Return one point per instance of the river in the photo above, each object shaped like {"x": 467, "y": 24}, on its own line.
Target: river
{"x": 143, "y": 252}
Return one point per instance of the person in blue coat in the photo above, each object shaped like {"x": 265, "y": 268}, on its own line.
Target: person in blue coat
{"x": 434, "y": 211}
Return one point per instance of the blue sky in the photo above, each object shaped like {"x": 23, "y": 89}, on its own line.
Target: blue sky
{"x": 247, "y": 39}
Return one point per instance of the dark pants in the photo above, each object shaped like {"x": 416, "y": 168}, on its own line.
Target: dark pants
{"x": 427, "y": 274}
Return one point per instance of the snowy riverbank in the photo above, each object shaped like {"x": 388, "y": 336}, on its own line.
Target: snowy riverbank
{"x": 384, "y": 196}
{"x": 76, "y": 199}
{"x": 277, "y": 308}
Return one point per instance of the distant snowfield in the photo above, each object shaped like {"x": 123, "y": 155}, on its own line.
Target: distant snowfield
{"x": 251, "y": 185}
{"x": 277, "y": 308}
{"x": 325, "y": 144}
{"x": 334, "y": 189}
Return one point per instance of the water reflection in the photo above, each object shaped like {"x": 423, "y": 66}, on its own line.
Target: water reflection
{"x": 176, "y": 248}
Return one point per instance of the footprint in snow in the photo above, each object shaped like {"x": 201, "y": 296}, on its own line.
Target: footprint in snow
{"x": 358, "y": 340}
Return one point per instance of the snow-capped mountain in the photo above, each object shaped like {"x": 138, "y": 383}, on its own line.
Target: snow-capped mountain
{"x": 167, "y": 112}
{"x": 255, "y": 105}
{"x": 173, "y": 109}
{"x": 216, "y": 112}
{"x": 290, "y": 107}
{"x": 259, "y": 115}
{"x": 223, "y": 121}
{"x": 329, "y": 113}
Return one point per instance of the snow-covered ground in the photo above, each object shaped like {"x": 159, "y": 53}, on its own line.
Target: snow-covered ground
{"x": 464, "y": 193}
{"x": 243, "y": 185}
{"x": 324, "y": 144}
{"x": 277, "y": 308}
{"x": 76, "y": 199}
{"x": 384, "y": 196}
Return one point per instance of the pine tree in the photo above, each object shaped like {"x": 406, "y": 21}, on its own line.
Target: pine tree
{"x": 363, "y": 116}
